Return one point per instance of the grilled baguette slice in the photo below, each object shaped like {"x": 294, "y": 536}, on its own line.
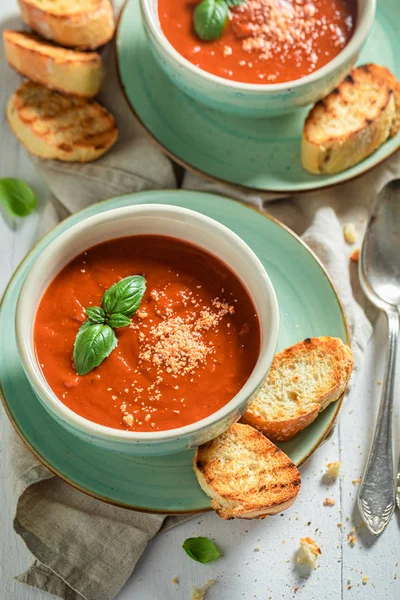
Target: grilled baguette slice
{"x": 245, "y": 474}
{"x": 52, "y": 125}
{"x": 72, "y": 23}
{"x": 352, "y": 121}
{"x": 302, "y": 381}
{"x": 67, "y": 71}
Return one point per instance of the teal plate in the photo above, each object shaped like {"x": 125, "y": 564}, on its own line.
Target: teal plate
{"x": 308, "y": 306}
{"x": 253, "y": 154}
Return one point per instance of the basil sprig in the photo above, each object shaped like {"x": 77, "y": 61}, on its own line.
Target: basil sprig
{"x": 201, "y": 549}
{"x": 96, "y": 338}
{"x": 17, "y": 197}
{"x": 210, "y": 17}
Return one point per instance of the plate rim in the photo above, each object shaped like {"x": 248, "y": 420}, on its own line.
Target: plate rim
{"x": 213, "y": 178}
{"x": 105, "y": 499}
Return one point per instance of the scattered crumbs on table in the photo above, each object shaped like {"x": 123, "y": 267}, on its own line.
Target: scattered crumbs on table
{"x": 256, "y": 549}
{"x": 175, "y": 580}
{"x": 349, "y": 233}
{"x": 379, "y": 382}
{"x": 365, "y": 580}
{"x": 340, "y": 525}
{"x": 200, "y": 593}
{"x": 352, "y": 537}
{"x": 329, "y": 502}
{"x": 355, "y": 256}
{"x": 333, "y": 469}
{"x": 356, "y": 481}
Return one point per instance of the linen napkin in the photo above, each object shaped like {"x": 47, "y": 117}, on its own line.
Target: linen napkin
{"x": 83, "y": 548}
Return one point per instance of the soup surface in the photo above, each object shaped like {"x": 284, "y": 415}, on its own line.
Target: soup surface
{"x": 190, "y": 348}
{"x": 265, "y": 41}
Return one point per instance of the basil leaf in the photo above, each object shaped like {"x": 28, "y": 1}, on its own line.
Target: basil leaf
{"x": 209, "y": 19}
{"x": 201, "y": 549}
{"x": 124, "y": 296}
{"x": 17, "y": 197}
{"x": 118, "y": 320}
{"x": 95, "y": 314}
{"x": 232, "y": 3}
{"x": 93, "y": 343}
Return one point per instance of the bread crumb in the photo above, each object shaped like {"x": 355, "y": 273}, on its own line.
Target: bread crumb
{"x": 365, "y": 580}
{"x": 349, "y": 233}
{"x": 333, "y": 469}
{"x": 200, "y": 593}
{"x": 354, "y": 257}
{"x": 175, "y": 580}
{"x": 329, "y": 502}
{"x": 352, "y": 537}
{"x": 308, "y": 553}
{"x": 356, "y": 481}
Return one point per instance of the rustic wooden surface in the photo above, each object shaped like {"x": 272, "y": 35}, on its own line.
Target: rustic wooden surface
{"x": 258, "y": 559}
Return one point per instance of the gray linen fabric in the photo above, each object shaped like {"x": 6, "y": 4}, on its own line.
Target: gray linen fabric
{"x": 83, "y": 548}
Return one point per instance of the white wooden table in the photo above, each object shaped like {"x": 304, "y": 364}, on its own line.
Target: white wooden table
{"x": 258, "y": 556}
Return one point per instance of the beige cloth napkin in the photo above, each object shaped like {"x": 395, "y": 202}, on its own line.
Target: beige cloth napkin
{"x": 84, "y": 549}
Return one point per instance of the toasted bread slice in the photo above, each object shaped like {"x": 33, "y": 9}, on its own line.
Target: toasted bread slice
{"x": 352, "y": 121}
{"x": 72, "y": 23}
{"x": 67, "y": 71}
{"x": 52, "y": 125}
{"x": 302, "y": 381}
{"x": 245, "y": 474}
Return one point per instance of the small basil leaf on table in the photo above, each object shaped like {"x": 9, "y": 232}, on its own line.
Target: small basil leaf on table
{"x": 17, "y": 197}
{"x": 95, "y": 314}
{"x": 124, "y": 296}
{"x": 201, "y": 549}
{"x": 118, "y": 320}
{"x": 93, "y": 343}
{"x": 209, "y": 19}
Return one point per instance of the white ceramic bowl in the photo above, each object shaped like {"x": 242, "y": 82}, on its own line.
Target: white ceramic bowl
{"x": 135, "y": 220}
{"x": 251, "y": 99}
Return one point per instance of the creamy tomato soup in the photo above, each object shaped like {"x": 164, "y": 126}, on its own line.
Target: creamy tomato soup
{"x": 189, "y": 349}
{"x": 264, "y": 41}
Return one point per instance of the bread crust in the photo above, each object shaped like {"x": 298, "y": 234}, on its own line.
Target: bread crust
{"x": 280, "y": 424}
{"x": 366, "y": 107}
{"x": 55, "y": 126}
{"x": 246, "y": 475}
{"x": 75, "y": 29}
{"x": 65, "y": 70}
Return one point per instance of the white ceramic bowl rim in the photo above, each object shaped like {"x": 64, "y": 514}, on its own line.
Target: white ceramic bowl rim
{"x": 35, "y": 375}
{"x": 362, "y": 28}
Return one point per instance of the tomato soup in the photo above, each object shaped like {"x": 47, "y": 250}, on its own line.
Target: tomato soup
{"x": 264, "y": 41}
{"x": 189, "y": 349}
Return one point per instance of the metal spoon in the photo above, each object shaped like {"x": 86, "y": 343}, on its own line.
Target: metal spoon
{"x": 379, "y": 272}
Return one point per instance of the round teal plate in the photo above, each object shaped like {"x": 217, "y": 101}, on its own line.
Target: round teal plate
{"x": 253, "y": 154}
{"x": 308, "y": 307}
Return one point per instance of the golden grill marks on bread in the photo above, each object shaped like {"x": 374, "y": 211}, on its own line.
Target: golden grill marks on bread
{"x": 52, "y": 125}
{"x": 352, "y": 121}
{"x": 65, "y": 70}
{"x": 302, "y": 381}
{"x": 72, "y": 23}
{"x": 245, "y": 474}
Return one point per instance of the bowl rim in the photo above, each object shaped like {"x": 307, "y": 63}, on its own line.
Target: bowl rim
{"x": 36, "y": 377}
{"x": 362, "y": 29}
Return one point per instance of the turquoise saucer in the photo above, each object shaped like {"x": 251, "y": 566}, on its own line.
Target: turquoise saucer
{"x": 256, "y": 154}
{"x": 308, "y": 307}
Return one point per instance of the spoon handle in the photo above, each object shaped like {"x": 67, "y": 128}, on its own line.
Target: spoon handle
{"x": 376, "y": 499}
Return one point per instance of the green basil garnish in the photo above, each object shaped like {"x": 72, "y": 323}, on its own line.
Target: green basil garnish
{"x": 96, "y": 339}
{"x": 125, "y": 296}
{"x": 93, "y": 344}
{"x": 232, "y": 3}
{"x": 118, "y": 320}
{"x": 95, "y": 314}
{"x": 209, "y": 19}
{"x": 201, "y": 549}
{"x": 17, "y": 197}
